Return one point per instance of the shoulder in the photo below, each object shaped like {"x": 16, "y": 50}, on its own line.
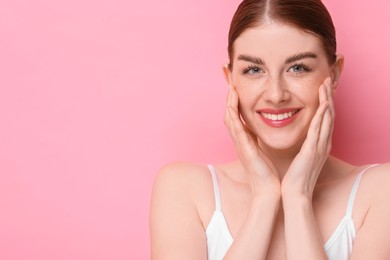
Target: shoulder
{"x": 376, "y": 184}
{"x": 182, "y": 183}
{"x": 376, "y": 224}
{"x": 181, "y": 175}
{"x": 181, "y": 169}
{"x": 381, "y": 168}
{"x": 377, "y": 177}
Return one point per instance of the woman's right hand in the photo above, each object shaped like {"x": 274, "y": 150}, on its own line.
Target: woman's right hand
{"x": 262, "y": 174}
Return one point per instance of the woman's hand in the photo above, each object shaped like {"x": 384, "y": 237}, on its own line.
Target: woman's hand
{"x": 262, "y": 174}
{"x": 303, "y": 172}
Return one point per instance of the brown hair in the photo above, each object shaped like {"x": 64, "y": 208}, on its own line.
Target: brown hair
{"x": 308, "y": 15}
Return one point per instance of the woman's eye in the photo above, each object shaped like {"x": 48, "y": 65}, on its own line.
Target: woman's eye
{"x": 299, "y": 69}
{"x": 251, "y": 70}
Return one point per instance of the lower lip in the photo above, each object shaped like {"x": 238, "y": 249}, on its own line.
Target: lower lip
{"x": 279, "y": 123}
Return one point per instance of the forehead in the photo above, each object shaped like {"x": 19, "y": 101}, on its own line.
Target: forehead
{"x": 275, "y": 40}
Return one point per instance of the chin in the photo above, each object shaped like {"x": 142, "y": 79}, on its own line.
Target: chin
{"x": 281, "y": 146}
{"x": 282, "y": 143}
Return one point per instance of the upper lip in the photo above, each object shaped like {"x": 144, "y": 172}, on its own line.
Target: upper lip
{"x": 277, "y": 111}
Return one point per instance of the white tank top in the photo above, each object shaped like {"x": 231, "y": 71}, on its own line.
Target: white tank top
{"x": 338, "y": 247}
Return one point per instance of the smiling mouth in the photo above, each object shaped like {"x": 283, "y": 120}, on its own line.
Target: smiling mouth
{"x": 279, "y": 117}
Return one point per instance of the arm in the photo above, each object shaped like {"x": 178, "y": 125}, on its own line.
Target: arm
{"x": 176, "y": 230}
{"x": 303, "y": 238}
{"x": 372, "y": 239}
{"x": 253, "y": 239}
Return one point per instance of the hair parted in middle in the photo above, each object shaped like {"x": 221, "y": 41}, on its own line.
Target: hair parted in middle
{"x": 308, "y": 15}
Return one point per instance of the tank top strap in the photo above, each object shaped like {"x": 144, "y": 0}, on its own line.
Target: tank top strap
{"x": 355, "y": 187}
{"x": 216, "y": 188}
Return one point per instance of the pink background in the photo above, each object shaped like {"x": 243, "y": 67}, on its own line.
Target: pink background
{"x": 95, "y": 96}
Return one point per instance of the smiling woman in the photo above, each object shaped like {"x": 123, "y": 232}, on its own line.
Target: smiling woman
{"x": 284, "y": 197}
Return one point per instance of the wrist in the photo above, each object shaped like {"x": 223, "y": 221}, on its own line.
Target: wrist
{"x": 296, "y": 199}
{"x": 270, "y": 187}
{"x": 296, "y": 192}
{"x": 271, "y": 199}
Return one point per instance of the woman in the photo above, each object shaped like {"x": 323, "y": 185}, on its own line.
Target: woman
{"x": 285, "y": 197}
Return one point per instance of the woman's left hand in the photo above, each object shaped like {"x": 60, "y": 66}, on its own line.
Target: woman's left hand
{"x": 303, "y": 172}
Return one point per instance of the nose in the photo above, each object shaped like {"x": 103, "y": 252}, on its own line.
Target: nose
{"x": 276, "y": 91}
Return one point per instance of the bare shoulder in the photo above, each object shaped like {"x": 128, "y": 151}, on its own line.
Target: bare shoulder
{"x": 185, "y": 183}
{"x": 181, "y": 176}
{"x": 377, "y": 178}
{"x": 182, "y": 183}
{"x": 181, "y": 170}
{"x": 375, "y": 183}
{"x": 376, "y": 224}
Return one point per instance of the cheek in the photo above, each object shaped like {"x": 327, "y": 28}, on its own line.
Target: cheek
{"x": 248, "y": 90}
{"x": 247, "y": 96}
{"x": 307, "y": 89}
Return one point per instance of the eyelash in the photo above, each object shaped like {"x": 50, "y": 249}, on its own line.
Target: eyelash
{"x": 297, "y": 65}
{"x": 301, "y": 66}
{"x": 249, "y": 68}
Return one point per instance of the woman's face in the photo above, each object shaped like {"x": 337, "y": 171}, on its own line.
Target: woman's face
{"x": 277, "y": 71}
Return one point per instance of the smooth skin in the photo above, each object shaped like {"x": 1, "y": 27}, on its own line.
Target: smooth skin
{"x": 285, "y": 195}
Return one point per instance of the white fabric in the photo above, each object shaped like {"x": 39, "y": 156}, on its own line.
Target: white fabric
{"x": 338, "y": 247}
{"x": 218, "y": 235}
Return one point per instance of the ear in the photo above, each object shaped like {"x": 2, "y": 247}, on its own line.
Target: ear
{"x": 337, "y": 70}
{"x": 227, "y": 74}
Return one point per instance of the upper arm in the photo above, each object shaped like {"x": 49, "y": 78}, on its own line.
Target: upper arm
{"x": 373, "y": 239}
{"x": 175, "y": 226}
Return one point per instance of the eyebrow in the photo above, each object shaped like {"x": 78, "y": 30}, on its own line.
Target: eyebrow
{"x": 296, "y": 57}
{"x": 300, "y": 56}
{"x": 251, "y": 59}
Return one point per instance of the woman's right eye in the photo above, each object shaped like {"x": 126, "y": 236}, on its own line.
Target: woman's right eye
{"x": 251, "y": 70}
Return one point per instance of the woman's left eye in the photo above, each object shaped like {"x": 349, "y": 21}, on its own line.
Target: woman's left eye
{"x": 299, "y": 68}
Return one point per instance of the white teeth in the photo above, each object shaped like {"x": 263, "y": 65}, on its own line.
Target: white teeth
{"x": 278, "y": 117}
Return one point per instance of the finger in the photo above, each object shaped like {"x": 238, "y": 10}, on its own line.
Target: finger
{"x": 324, "y": 140}
{"x": 236, "y": 121}
{"x": 234, "y": 99}
{"x": 229, "y": 95}
{"x": 228, "y": 112}
{"x": 332, "y": 111}
{"x": 228, "y": 104}
{"x": 233, "y": 120}
{"x": 331, "y": 100}
{"x": 326, "y": 129}
{"x": 315, "y": 125}
{"x": 249, "y": 131}
{"x": 246, "y": 140}
{"x": 330, "y": 97}
{"x": 239, "y": 119}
